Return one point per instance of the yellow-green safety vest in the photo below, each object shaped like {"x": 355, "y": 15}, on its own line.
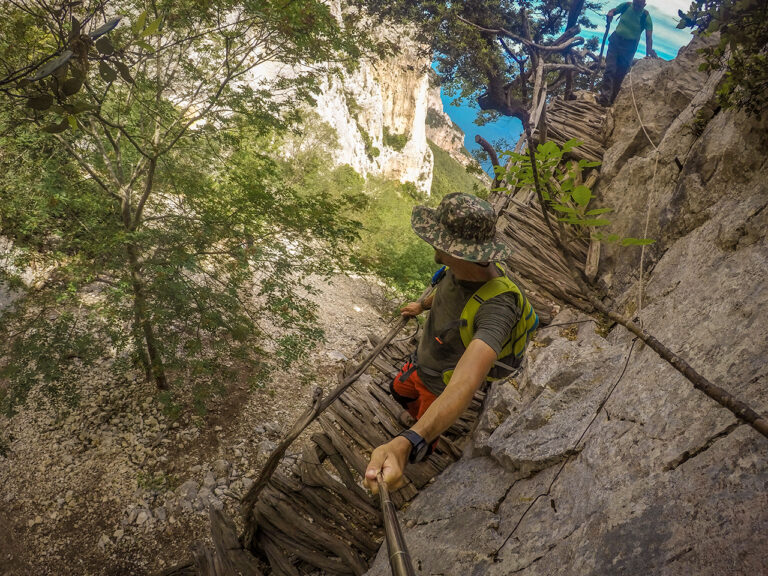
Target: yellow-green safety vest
{"x": 522, "y": 331}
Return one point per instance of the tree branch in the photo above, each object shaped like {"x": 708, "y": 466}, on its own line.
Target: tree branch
{"x": 570, "y": 43}
{"x": 740, "y": 409}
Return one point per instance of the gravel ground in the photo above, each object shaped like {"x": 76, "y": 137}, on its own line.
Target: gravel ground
{"x": 114, "y": 487}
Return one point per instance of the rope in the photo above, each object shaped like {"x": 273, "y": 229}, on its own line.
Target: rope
{"x": 651, "y": 196}
{"x": 570, "y": 453}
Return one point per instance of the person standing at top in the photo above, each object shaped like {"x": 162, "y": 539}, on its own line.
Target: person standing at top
{"x": 622, "y": 46}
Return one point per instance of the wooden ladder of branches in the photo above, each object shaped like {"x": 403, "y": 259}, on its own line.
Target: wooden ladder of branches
{"x": 313, "y": 514}
{"x": 537, "y": 261}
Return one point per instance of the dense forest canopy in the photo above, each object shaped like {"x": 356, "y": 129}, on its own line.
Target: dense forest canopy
{"x": 142, "y": 175}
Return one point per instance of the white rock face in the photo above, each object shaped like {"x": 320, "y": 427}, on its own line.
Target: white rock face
{"x": 389, "y": 98}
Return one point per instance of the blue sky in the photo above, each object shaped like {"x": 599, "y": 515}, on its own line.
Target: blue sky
{"x": 667, "y": 40}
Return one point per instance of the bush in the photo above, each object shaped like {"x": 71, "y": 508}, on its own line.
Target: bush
{"x": 449, "y": 176}
{"x": 395, "y": 141}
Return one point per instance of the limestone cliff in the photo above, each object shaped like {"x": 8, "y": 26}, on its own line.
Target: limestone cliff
{"x": 660, "y": 479}
{"x": 382, "y": 113}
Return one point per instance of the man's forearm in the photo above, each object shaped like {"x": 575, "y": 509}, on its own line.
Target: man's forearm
{"x": 469, "y": 375}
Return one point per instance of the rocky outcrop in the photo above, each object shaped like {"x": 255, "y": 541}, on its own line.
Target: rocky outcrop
{"x": 443, "y": 131}
{"x": 583, "y": 467}
{"x": 383, "y": 113}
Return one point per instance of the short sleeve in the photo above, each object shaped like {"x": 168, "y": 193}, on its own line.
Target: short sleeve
{"x": 496, "y": 319}
{"x": 648, "y": 22}
{"x": 621, "y": 8}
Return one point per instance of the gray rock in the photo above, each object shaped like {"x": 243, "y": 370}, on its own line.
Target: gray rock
{"x": 221, "y": 468}
{"x": 210, "y": 480}
{"x": 273, "y": 428}
{"x": 215, "y": 503}
{"x": 160, "y": 514}
{"x": 103, "y": 542}
{"x": 188, "y": 490}
{"x": 143, "y": 516}
{"x": 266, "y": 448}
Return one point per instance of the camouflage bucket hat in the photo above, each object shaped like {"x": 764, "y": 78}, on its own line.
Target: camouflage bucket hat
{"x": 462, "y": 225}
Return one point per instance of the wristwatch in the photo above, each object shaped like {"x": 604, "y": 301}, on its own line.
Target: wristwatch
{"x": 419, "y": 446}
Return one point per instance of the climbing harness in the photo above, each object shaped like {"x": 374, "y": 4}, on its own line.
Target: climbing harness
{"x": 399, "y": 557}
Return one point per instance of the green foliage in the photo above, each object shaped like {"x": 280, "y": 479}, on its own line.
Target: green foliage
{"x": 170, "y": 231}
{"x": 370, "y": 150}
{"x": 561, "y": 188}
{"x": 387, "y": 244}
{"x": 742, "y": 26}
{"x": 449, "y": 176}
{"x": 395, "y": 141}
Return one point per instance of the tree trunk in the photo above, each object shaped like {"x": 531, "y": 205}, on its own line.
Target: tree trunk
{"x": 149, "y": 351}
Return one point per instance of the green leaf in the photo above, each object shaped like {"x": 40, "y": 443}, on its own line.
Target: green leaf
{"x": 138, "y": 26}
{"x": 549, "y": 149}
{"x": 587, "y": 164}
{"x": 106, "y": 72}
{"x": 581, "y": 195}
{"x": 72, "y": 85}
{"x": 598, "y": 211}
{"x": 563, "y": 208}
{"x": 56, "y": 128}
{"x": 72, "y": 122}
{"x": 78, "y": 107}
{"x": 153, "y": 27}
{"x": 146, "y": 45}
{"x": 587, "y": 222}
{"x": 124, "y": 71}
{"x": 571, "y": 144}
{"x": 637, "y": 241}
{"x": 42, "y": 102}
{"x": 104, "y": 45}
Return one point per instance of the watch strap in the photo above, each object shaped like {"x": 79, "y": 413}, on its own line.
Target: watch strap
{"x": 418, "y": 445}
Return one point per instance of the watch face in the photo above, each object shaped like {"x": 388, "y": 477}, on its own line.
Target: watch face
{"x": 420, "y": 451}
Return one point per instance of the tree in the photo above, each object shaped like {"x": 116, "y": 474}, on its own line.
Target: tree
{"x": 142, "y": 174}
{"x": 494, "y": 51}
{"x": 742, "y": 26}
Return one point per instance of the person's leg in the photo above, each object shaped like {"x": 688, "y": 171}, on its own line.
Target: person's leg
{"x": 425, "y": 398}
{"x": 403, "y": 388}
{"x": 624, "y": 57}
{"x": 606, "y": 87}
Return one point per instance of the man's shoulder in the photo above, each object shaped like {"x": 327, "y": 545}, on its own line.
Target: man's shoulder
{"x": 647, "y": 17}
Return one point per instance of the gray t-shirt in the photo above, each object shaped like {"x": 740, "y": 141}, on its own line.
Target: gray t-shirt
{"x": 441, "y": 347}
